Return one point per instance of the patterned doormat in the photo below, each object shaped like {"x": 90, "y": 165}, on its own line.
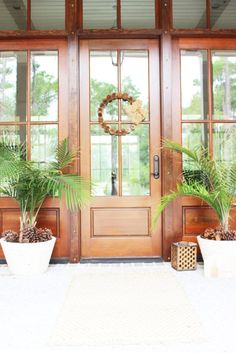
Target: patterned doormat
{"x": 123, "y": 307}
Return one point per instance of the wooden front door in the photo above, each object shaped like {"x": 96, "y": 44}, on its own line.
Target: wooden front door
{"x": 118, "y": 221}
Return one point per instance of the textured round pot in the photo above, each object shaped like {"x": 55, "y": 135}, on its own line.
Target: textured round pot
{"x": 28, "y": 258}
{"x": 219, "y": 257}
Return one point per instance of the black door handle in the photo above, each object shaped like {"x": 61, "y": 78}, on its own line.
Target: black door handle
{"x": 156, "y": 172}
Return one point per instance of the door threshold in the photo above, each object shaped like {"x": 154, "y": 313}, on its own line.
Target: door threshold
{"x": 121, "y": 260}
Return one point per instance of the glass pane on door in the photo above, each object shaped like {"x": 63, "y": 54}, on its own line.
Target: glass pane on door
{"x": 104, "y": 162}
{"x": 135, "y": 162}
{"x": 13, "y": 77}
{"x": 134, "y": 77}
{"x": 224, "y": 84}
{"x": 103, "y": 81}
{"x": 194, "y": 84}
{"x": 119, "y": 144}
{"x": 44, "y": 86}
{"x": 224, "y": 142}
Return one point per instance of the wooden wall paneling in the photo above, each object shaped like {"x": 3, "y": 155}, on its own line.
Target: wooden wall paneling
{"x": 197, "y": 219}
{"x": 48, "y": 217}
{"x": 73, "y": 113}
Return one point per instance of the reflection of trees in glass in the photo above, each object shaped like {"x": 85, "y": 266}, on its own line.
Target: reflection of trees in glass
{"x": 104, "y": 152}
{"x": 224, "y": 139}
{"x": 44, "y": 141}
{"x": 224, "y": 91}
{"x": 224, "y": 98}
{"x": 136, "y": 162}
{"x": 7, "y": 100}
{"x": 99, "y": 90}
{"x": 224, "y": 88}
{"x": 195, "y": 107}
{"x": 135, "y": 175}
{"x": 44, "y": 90}
{"x": 193, "y": 135}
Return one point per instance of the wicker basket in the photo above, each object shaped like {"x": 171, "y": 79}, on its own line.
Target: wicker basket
{"x": 184, "y": 255}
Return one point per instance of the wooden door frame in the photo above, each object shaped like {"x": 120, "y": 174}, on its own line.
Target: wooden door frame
{"x": 84, "y": 89}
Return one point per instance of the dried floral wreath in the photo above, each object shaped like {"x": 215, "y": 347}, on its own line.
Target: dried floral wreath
{"x": 134, "y": 111}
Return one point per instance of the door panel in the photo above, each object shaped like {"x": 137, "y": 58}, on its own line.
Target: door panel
{"x": 118, "y": 221}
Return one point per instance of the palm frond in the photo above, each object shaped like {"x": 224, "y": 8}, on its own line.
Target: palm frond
{"x": 64, "y": 157}
{"x": 75, "y": 189}
{"x": 165, "y": 200}
{"x": 171, "y": 145}
{"x": 215, "y": 183}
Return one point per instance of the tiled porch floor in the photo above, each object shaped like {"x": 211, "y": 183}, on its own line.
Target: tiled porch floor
{"x": 29, "y": 307}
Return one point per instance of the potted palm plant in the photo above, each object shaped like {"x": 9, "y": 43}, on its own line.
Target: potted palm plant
{"x": 29, "y": 250}
{"x": 214, "y": 182}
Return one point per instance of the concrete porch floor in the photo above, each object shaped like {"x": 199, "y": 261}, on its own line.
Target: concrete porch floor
{"x": 29, "y": 307}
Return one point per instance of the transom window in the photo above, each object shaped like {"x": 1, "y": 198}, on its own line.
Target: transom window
{"x": 43, "y": 14}
{"x": 214, "y": 14}
{"x": 118, "y": 14}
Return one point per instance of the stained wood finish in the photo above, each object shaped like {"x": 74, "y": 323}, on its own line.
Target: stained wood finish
{"x": 109, "y": 244}
{"x": 120, "y": 222}
{"x": 171, "y": 166}
{"x": 54, "y": 214}
{"x": 74, "y": 24}
{"x": 73, "y": 111}
{"x": 197, "y": 219}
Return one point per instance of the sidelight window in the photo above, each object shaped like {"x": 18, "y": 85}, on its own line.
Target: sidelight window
{"x": 29, "y": 101}
{"x": 208, "y": 102}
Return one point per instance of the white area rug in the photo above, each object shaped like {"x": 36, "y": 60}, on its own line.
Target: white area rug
{"x": 126, "y": 308}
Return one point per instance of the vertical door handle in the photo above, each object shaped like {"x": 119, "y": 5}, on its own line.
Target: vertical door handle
{"x": 156, "y": 172}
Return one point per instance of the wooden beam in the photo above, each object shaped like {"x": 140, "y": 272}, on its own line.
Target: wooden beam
{"x": 71, "y": 16}
{"x": 166, "y": 15}
{"x": 206, "y": 19}
{"x": 218, "y": 5}
{"x": 18, "y": 12}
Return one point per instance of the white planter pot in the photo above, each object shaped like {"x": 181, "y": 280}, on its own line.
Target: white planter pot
{"x": 219, "y": 257}
{"x": 28, "y": 258}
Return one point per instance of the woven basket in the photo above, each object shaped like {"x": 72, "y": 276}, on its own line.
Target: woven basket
{"x": 184, "y": 255}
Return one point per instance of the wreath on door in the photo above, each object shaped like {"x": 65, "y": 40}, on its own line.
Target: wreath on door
{"x": 134, "y": 111}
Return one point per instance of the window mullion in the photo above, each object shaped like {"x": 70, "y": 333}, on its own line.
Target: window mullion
{"x": 210, "y": 100}
{"x": 28, "y": 109}
{"x": 28, "y": 15}
{"x": 118, "y": 14}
